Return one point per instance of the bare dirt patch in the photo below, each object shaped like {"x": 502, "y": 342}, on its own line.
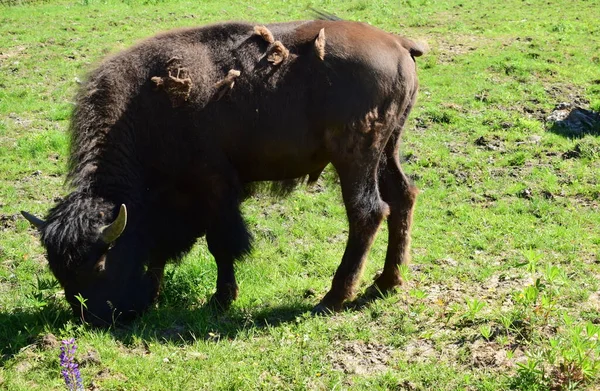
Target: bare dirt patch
{"x": 361, "y": 358}
{"x": 8, "y": 222}
{"x": 567, "y": 93}
{"x": 494, "y": 287}
{"x": 448, "y": 48}
{"x": 9, "y": 53}
{"x": 419, "y": 351}
{"x": 20, "y": 122}
{"x": 49, "y": 342}
{"x": 106, "y": 374}
{"x": 593, "y": 302}
{"x": 23, "y": 366}
{"x": 139, "y": 350}
{"x": 493, "y": 143}
{"x": 491, "y": 355}
{"x": 91, "y": 357}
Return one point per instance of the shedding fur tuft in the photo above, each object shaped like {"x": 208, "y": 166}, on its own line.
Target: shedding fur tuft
{"x": 265, "y": 33}
{"x": 224, "y": 86}
{"x": 320, "y": 44}
{"x": 177, "y": 86}
{"x": 277, "y": 53}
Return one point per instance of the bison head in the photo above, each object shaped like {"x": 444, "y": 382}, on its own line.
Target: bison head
{"x": 97, "y": 262}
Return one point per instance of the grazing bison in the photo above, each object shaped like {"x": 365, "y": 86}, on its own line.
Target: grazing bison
{"x": 167, "y": 135}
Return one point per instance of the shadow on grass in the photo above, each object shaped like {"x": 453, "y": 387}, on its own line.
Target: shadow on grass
{"x": 185, "y": 326}
{"x": 21, "y": 329}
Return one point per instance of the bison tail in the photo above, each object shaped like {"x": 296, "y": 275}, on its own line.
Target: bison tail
{"x": 416, "y": 49}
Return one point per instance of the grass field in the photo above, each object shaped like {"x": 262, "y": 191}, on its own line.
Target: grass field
{"x": 504, "y": 287}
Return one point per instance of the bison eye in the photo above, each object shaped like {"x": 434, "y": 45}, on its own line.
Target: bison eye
{"x": 100, "y": 266}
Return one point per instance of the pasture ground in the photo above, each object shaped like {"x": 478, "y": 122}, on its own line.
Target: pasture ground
{"x": 503, "y": 291}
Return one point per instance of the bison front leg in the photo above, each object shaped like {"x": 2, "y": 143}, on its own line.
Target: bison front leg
{"x": 365, "y": 211}
{"x": 227, "y": 289}
{"x": 228, "y": 239}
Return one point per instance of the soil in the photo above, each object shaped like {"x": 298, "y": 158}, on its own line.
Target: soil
{"x": 91, "y": 357}
{"x": 419, "y": 350}
{"x": 361, "y": 358}
{"x": 49, "y": 342}
{"x": 8, "y": 222}
{"x": 448, "y": 50}
{"x": 486, "y": 354}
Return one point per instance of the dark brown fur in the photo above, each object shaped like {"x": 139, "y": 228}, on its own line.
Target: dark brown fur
{"x": 161, "y": 128}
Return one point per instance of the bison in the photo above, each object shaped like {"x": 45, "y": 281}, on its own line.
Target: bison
{"x": 167, "y": 136}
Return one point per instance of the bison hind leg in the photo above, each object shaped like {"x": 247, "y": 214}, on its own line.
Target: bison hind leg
{"x": 397, "y": 190}
{"x": 400, "y": 194}
{"x": 365, "y": 211}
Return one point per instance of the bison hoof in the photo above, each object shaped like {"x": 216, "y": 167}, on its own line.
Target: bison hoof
{"x": 372, "y": 293}
{"x": 327, "y": 307}
{"x": 223, "y": 297}
{"x": 375, "y": 292}
{"x": 321, "y": 310}
{"x": 384, "y": 285}
{"x": 219, "y": 304}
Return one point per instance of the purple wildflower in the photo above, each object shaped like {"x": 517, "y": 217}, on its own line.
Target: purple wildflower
{"x": 70, "y": 369}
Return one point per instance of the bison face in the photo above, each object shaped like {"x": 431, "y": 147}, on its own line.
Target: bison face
{"x": 100, "y": 267}
{"x": 115, "y": 289}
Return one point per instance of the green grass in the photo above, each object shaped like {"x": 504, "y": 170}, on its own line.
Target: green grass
{"x": 503, "y": 289}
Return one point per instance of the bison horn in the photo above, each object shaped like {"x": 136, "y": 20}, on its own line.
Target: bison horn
{"x": 36, "y": 222}
{"x": 110, "y": 233}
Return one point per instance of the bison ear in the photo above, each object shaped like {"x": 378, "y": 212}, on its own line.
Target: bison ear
{"x": 110, "y": 233}
{"x": 36, "y": 222}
